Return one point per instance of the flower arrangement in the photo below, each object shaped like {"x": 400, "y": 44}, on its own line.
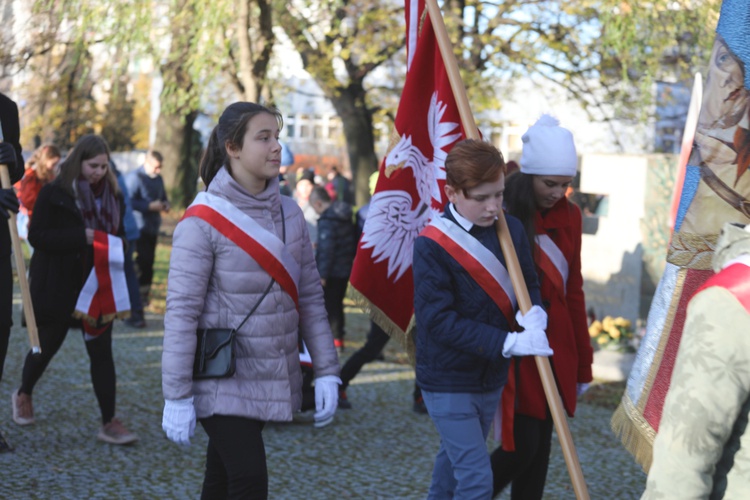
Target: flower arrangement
{"x": 613, "y": 334}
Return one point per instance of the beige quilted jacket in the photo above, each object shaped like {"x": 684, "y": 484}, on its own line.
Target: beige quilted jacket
{"x": 213, "y": 283}
{"x": 702, "y": 449}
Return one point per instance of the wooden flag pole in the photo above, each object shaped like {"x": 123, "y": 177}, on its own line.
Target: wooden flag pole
{"x": 28, "y": 308}
{"x": 514, "y": 269}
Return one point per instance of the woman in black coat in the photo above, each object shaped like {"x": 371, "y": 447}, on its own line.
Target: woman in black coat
{"x": 85, "y": 197}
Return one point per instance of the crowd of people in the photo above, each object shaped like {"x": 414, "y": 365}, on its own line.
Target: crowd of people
{"x": 273, "y": 270}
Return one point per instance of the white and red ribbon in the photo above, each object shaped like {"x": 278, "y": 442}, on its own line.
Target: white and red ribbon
{"x": 262, "y": 245}
{"x": 481, "y": 264}
{"x": 104, "y": 296}
{"x": 304, "y": 354}
{"x": 552, "y": 262}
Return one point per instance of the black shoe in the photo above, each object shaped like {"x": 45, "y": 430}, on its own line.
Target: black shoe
{"x": 4, "y": 445}
{"x": 419, "y": 406}
{"x": 344, "y": 403}
{"x": 135, "y": 322}
{"x": 136, "y": 319}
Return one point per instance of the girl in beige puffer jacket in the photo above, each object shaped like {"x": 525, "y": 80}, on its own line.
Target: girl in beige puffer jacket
{"x": 214, "y": 283}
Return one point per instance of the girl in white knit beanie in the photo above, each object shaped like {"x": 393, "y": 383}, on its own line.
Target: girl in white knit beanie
{"x": 536, "y": 195}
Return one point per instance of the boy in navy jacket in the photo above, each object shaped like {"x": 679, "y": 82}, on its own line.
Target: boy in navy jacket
{"x": 464, "y": 306}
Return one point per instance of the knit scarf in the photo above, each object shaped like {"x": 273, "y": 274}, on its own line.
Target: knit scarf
{"x": 106, "y": 216}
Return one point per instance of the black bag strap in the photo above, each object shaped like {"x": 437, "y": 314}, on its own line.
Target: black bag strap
{"x": 268, "y": 288}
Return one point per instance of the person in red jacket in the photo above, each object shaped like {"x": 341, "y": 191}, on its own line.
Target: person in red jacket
{"x": 41, "y": 169}
{"x": 536, "y": 196}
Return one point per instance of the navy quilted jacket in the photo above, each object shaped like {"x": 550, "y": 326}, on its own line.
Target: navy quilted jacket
{"x": 460, "y": 330}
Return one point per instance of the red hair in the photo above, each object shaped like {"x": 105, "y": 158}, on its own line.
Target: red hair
{"x": 471, "y": 163}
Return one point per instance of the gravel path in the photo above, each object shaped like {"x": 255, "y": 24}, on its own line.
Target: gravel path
{"x": 380, "y": 449}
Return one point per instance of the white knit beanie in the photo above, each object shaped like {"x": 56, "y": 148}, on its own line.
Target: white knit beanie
{"x": 548, "y": 149}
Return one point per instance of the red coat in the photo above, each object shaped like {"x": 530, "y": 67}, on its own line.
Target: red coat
{"x": 28, "y": 189}
{"x": 567, "y": 328}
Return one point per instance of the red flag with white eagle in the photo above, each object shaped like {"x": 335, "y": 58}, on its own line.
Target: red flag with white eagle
{"x": 409, "y": 191}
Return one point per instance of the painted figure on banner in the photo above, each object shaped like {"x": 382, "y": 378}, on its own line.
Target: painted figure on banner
{"x": 716, "y": 190}
{"x": 721, "y": 145}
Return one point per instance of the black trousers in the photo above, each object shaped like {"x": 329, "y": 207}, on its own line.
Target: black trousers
{"x": 527, "y": 466}
{"x": 6, "y": 307}
{"x": 308, "y": 391}
{"x": 144, "y": 259}
{"x": 103, "y": 377}
{"x": 235, "y": 459}
{"x": 334, "y": 293}
{"x": 376, "y": 341}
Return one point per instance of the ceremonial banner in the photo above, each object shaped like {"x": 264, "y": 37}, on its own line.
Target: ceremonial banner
{"x": 409, "y": 191}
{"x": 716, "y": 189}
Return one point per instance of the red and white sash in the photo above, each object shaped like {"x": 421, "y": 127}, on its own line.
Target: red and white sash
{"x": 262, "y": 245}
{"x": 304, "y": 353}
{"x": 481, "y": 264}
{"x": 735, "y": 277}
{"x": 104, "y": 296}
{"x": 552, "y": 262}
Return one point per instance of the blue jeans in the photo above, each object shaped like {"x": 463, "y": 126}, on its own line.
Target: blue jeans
{"x": 462, "y": 466}
{"x": 132, "y": 280}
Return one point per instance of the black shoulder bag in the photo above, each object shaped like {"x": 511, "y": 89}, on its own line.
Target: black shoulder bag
{"x": 215, "y": 355}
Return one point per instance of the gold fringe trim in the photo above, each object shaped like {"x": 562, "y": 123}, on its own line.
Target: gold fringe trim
{"x": 634, "y": 432}
{"x": 404, "y": 338}
{"x": 103, "y": 320}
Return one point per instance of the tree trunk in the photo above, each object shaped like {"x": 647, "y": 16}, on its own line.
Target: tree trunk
{"x": 174, "y": 140}
{"x": 360, "y": 139}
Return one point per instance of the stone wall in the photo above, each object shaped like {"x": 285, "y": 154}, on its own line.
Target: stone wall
{"x": 624, "y": 258}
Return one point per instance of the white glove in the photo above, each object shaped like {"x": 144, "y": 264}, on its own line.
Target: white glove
{"x": 581, "y": 388}
{"x": 532, "y": 341}
{"x": 527, "y": 343}
{"x": 534, "y": 319}
{"x": 326, "y": 399}
{"x": 178, "y": 420}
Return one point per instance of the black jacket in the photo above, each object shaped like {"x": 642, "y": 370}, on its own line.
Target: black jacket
{"x": 337, "y": 241}
{"x": 62, "y": 259}
{"x": 11, "y": 132}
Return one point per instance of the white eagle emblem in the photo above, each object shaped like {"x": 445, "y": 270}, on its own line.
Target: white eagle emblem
{"x": 392, "y": 225}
